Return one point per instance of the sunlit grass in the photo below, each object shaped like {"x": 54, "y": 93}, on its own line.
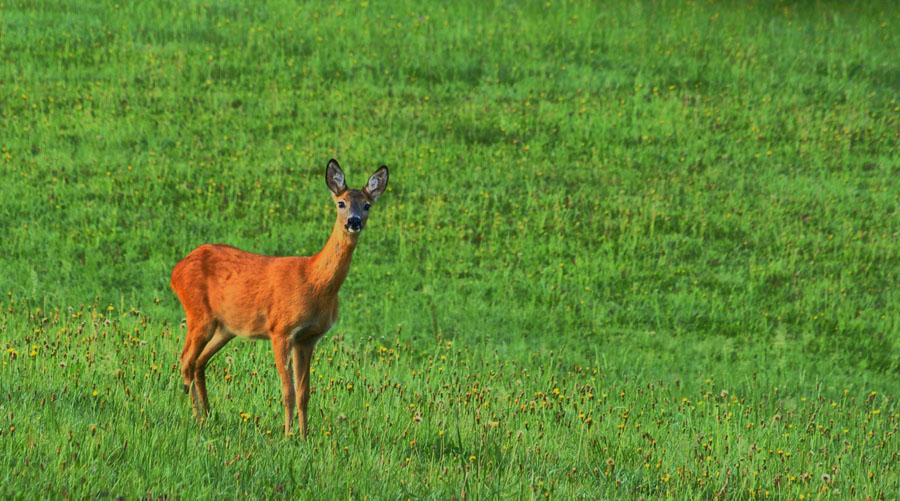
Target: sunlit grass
{"x": 436, "y": 422}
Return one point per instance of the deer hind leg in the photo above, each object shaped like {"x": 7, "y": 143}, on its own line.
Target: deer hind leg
{"x": 219, "y": 339}
{"x": 200, "y": 331}
{"x": 302, "y": 360}
{"x": 282, "y": 349}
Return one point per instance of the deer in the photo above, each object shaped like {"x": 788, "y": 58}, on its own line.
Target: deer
{"x": 290, "y": 301}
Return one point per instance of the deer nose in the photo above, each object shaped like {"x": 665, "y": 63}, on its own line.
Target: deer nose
{"x": 354, "y": 223}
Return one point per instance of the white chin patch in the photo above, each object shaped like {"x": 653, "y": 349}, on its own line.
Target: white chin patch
{"x": 352, "y": 230}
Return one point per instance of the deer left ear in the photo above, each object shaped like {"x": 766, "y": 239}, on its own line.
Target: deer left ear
{"x": 334, "y": 177}
{"x": 377, "y": 183}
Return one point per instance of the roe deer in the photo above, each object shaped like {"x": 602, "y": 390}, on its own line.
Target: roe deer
{"x": 291, "y": 301}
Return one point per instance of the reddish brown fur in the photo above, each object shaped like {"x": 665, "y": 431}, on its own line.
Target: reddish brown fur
{"x": 292, "y": 301}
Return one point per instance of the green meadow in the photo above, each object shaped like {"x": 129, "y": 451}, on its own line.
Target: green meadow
{"x": 628, "y": 249}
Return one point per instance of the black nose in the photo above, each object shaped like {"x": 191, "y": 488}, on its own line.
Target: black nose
{"x": 353, "y": 223}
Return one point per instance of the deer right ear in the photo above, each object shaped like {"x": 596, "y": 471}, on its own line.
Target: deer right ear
{"x": 377, "y": 183}
{"x": 334, "y": 177}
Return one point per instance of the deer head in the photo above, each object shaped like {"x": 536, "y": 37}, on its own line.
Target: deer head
{"x": 353, "y": 205}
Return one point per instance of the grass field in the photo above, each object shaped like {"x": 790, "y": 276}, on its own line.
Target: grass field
{"x": 628, "y": 249}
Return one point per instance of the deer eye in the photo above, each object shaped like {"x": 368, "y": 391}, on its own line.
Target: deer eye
{"x": 367, "y": 206}
{"x": 341, "y": 204}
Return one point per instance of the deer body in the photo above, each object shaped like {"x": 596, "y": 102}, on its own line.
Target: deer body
{"x": 290, "y": 301}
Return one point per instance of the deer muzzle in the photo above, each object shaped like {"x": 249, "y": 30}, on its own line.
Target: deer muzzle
{"x": 354, "y": 225}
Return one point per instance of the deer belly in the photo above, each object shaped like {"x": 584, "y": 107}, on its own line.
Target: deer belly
{"x": 247, "y": 334}
{"x": 251, "y": 328}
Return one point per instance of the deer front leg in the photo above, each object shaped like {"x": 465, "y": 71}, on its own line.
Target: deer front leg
{"x": 282, "y": 349}
{"x": 302, "y": 361}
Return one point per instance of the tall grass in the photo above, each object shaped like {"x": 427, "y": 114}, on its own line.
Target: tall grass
{"x": 687, "y": 211}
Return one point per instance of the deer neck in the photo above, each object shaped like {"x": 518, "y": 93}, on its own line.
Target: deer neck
{"x": 331, "y": 264}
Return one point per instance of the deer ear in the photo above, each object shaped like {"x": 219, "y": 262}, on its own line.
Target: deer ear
{"x": 377, "y": 183}
{"x": 334, "y": 177}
